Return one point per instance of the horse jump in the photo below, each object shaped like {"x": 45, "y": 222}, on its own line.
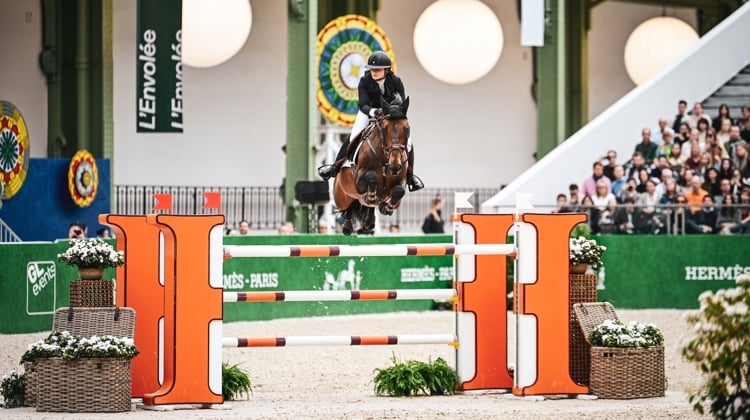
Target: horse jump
{"x": 340, "y": 295}
{"x": 366, "y": 250}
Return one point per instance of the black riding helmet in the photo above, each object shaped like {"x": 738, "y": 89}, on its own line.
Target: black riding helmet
{"x": 378, "y": 60}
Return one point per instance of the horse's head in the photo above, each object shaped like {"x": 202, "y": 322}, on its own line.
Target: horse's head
{"x": 395, "y": 132}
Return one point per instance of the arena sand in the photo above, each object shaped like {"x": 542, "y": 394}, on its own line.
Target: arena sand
{"x": 336, "y": 382}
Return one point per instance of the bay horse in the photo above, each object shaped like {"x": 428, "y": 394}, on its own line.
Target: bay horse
{"x": 378, "y": 175}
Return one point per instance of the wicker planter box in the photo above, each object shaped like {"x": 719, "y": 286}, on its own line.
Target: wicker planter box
{"x": 582, "y": 290}
{"x": 92, "y": 293}
{"x": 30, "y": 391}
{"x": 627, "y": 373}
{"x": 620, "y": 373}
{"x": 85, "y": 385}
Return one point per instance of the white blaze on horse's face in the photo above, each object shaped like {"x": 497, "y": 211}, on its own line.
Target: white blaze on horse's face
{"x": 396, "y": 135}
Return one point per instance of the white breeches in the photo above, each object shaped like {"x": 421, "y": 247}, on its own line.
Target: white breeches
{"x": 360, "y": 123}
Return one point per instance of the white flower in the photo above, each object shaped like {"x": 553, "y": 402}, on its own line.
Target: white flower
{"x": 91, "y": 252}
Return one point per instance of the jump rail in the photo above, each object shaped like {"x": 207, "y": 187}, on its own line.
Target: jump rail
{"x": 340, "y": 295}
{"x": 339, "y": 340}
{"x": 231, "y": 251}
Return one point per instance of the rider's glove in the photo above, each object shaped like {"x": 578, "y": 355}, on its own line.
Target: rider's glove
{"x": 375, "y": 112}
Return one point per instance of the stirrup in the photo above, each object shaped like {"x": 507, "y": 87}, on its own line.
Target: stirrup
{"x": 415, "y": 184}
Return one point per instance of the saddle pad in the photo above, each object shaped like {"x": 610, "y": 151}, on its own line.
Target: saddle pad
{"x": 349, "y": 163}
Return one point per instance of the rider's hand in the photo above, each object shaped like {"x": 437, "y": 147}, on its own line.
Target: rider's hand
{"x": 375, "y": 112}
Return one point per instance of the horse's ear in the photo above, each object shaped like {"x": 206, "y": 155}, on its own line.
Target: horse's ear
{"x": 405, "y": 105}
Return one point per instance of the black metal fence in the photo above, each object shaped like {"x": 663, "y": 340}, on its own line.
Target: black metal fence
{"x": 264, "y": 208}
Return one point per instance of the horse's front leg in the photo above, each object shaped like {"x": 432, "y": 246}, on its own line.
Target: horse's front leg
{"x": 368, "y": 184}
{"x": 397, "y": 193}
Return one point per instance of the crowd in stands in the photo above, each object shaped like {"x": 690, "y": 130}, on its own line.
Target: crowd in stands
{"x": 692, "y": 176}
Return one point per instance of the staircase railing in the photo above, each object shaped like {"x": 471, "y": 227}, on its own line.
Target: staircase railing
{"x": 7, "y": 234}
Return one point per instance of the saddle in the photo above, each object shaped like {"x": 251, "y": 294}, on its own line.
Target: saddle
{"x": 351, "y": 150}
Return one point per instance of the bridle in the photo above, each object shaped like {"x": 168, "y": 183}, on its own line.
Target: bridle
{"x": 387, "y": 150}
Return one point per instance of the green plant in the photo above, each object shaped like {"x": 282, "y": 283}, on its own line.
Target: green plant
{"x": 616, "y": 334}
{"x": 414, "y": 377}
{"x": 91, "y": 253}
{"x": 234, "y": 382}
{"x": 581, "y": 229}
{"x": 721, "y": 350}
{"x": 13, "y": 385}
{"x": 64, "y": 344}
{"x": 586, "y": 251}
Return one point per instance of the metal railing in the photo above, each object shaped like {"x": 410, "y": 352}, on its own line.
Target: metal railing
{"x": 263, "y": 207}
{"x": 7, "y": 234}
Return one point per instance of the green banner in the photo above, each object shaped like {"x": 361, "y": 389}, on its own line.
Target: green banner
{"x": 159, "y": 66}
{"x": 336, "y": 273}
{"x": 645, "y": 271}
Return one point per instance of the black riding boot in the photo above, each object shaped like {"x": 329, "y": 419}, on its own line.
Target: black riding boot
{"x": 415, "y": 184}
{"x": 328, "y": 171}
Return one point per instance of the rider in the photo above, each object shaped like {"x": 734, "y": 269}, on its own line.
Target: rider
{"x": 379, "y": 81}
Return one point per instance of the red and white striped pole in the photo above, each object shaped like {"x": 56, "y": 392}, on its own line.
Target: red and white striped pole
{"x": 340, "y": 340}
{"x": 395, "y": 250}
{"x": 340, "y": 295}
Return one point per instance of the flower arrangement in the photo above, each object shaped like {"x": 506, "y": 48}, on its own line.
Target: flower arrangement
{"x": 611, "y": 333}
{"x": 586, "y": 251}
{"x": 13, "y": 386}
{"x": 721, "y": 349}
{"x": 91, "y": 253}
{"x": 69, "y": 347}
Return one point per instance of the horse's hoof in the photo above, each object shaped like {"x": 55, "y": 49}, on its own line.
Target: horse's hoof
{"x": 346, "y": 231}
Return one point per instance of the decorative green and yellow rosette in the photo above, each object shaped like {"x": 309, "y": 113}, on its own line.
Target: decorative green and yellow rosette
{"x": 344, "y": 45}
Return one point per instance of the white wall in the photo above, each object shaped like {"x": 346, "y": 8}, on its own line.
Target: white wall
{"x": 478, "y": 135}
{"x": 22, "y": 82}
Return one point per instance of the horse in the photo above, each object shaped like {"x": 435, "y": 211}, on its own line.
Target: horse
{"x": 378, "y": 175}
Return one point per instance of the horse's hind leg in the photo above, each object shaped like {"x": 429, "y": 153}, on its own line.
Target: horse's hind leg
{"x": 367, "y": 216}
{"x": 347, "y": 228}
{"x": 387, "y": 207}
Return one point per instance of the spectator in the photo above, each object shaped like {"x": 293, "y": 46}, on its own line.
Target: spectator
{"x": 725, "y": 188}
{"x": 740, "y": 159}
{"x": 724, "y": 114}
{"x": 610, "y": 163}
{"x": 593, "y": 213}
{"x": 726, "y": 169}
{"x": 286, "y": 228}
{"x": 675, "y": 158}
{"x": 637, "y": 162}
{"x": 736, "y": 185}
{"x": 715, "y": 156}
{"x": 666, "y": 174}
{"x": 660, "y": 164}
{"x": 734, "y": 141}
{"x": 704, "y": 219}
{"x": 648, "y": 202}
{"x": 629, "y": 191}
{"x": 729, "y": 218}
{"x": 658, "y": 136}
{"x": 646, "y": 147}
{"x": 723, "y": 134}
{"x": 744, "y": 210}
{"x": 103, "y": 233}
{"x": 676, "y": 216}
{"x": 561, "y": 205}
{"x": 683, "y": 134}
{"x": 694, "y": 157}
{"x": 626, "y": 217}
{"x": 665, "y": 149}
{"x": 643, "y": 176}
{"x": 619, "y": 181}
{"x": 703, "y": 164}
{"x": 686, "y": 177}
{"x": 744, "y": 124}
{"x": 394, "y": 228}
{"x": 669, "y": 192}
{"x": 77, "y": 230}
{"x": 591, "y": 183}
{"x": 711, "y": 182}
{"x": 681, "y": 116}
{"x": 703, "y": 128}
{"x": 696, "y": 194}
{"x": 573, "y": 200}
{"x": 244, "y": 227}
{"x": 433, "y": 223}
{"x": 698, "y": 114}
{"x": 604, "y": 201}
